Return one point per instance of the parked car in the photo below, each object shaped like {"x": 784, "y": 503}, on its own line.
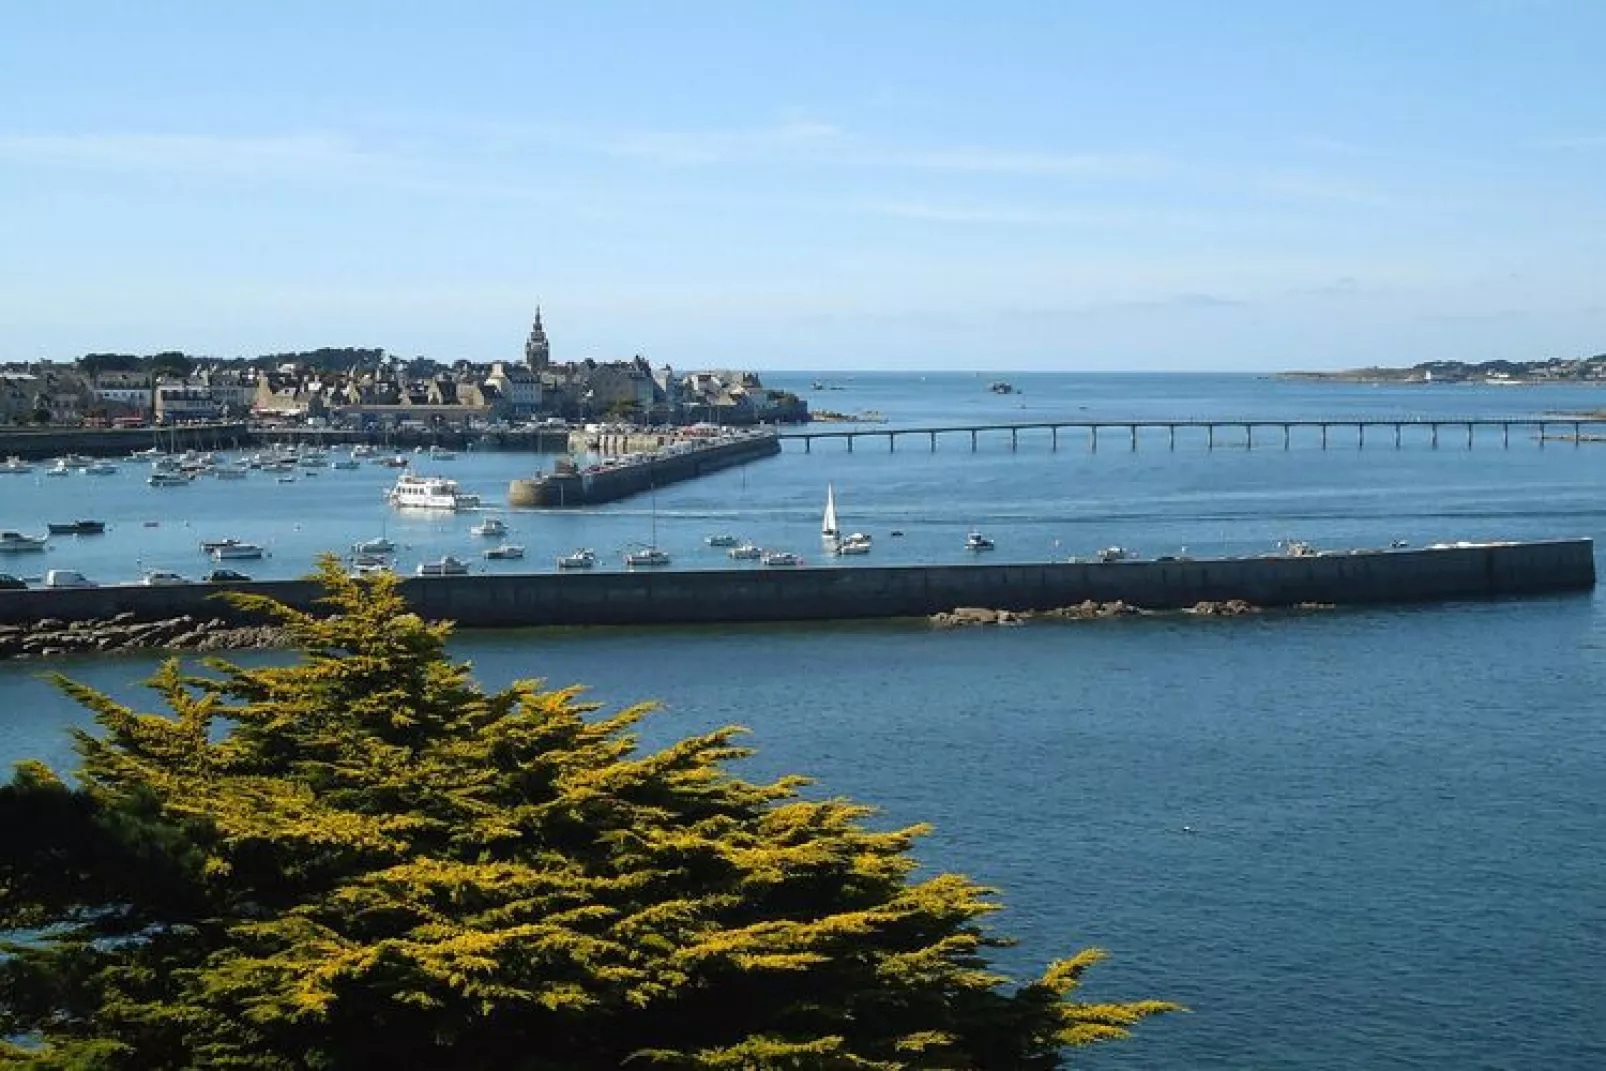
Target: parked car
{"x": 225, "y": 576}
{"x": 158, "y": 577}
{"x": 67, "y": 578}
{"x": 12, "y": 583}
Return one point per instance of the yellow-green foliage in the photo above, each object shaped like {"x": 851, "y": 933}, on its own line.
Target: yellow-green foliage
{"x": 362, "y": 859}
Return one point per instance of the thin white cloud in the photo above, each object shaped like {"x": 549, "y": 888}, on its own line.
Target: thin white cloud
{"x": 1580, "y": 141}
{"x": 811, "y": 141}
{"x": 316, "y": 154}
{"x": 1317, "y": 187}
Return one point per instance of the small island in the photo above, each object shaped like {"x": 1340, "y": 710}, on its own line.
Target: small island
{"x": 1567, "y": 370}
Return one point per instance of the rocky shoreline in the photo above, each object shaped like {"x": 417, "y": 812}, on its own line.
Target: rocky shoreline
{"x": 52, "y": 636}
{"x": 1088, "y": 611}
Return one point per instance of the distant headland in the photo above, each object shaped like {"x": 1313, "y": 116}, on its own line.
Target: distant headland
{"x": 1555, "y": 370}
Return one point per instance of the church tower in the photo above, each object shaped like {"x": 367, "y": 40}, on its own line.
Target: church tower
{"x": 538, "y": 351}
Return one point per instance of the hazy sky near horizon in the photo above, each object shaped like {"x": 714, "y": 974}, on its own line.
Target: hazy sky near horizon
{"x": 825, "y": 184}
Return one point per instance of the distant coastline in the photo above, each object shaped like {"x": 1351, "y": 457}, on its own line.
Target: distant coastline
{"x": 1575, "y": 371}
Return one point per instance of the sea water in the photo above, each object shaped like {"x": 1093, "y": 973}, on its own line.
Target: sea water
{"x": 1359, "y": 838}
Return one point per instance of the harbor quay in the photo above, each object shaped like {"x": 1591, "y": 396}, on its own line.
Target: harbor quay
{"x": 1461, "y": 571}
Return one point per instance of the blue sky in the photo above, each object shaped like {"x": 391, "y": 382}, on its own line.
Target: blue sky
{"x": 1048, "y": 185}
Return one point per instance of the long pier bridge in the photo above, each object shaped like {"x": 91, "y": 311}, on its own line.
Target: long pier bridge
{"x": 1229, "y": 432}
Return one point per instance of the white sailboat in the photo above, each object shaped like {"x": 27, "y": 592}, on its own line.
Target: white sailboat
{"x": 830, "y": 532}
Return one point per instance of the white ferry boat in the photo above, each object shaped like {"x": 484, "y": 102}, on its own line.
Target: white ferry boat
{"x": 429, "y": 492}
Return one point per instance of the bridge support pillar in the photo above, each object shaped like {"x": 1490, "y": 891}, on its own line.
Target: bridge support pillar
{"x": 1435, "y": 436}
{"x": 1360, "y": 436}
{"x": 1469, "y": 435}
{"x": 934, "y": 442}
{"x": 1505, "y": 434}
{"x": 1285, "y": 436}
{"x": 1210, "y": 436}
{"x": 1324, "y": 436}
{"x": 1054, "y": 438}
{"x": 1171, "y": 429}
{"x": 1249, "y": 436}
{"x": 1093, "y": 438}
{"x": 892, "y": 442}
{"x": 1134, "y": 437}
{"x": 808, "y": 445}
{"x": 850, "y": 443}
{"x": 1014, "y": 439}
{"x": 1541, "y": 435}
{"x": 1578, "y": 434}
{"x": 973, "y": 440}
{"x": 1396, "y": 436}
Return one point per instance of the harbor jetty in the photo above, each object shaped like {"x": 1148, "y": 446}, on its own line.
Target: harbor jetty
{"x": 676, "y": 458}
{"x": 1457, "y": 571}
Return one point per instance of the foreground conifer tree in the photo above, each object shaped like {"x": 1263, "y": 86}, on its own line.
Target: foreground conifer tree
{"x": 364, "y": 860}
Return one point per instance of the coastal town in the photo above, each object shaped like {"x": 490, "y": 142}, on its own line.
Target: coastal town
{"x": 369, "y": 388}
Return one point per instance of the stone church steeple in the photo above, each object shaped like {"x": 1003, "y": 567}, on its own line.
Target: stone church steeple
{"x": 538, "y": 351}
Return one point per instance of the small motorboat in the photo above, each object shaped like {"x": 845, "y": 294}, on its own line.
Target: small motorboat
{"x": 490, "y": 527}
{"x": 647, "y": 556}
{"x": 723, "y": 540}
{"x": 854, "y": 544}
{"x": 15, "y": 542}
{"x": 782, "y": 558}
{"x": 505, "y": 552}
{"x": 100, "y": 468}
{"x": 584, "y": 558}
{"x": 14, "y": 464}
{"x": 167, "y": 479}
{"x": 78, "y": 528}
{"x": 374, "y": 546}
{"x": 746, "y": 552}
{"x": 233, "y": 549}
{"x": 60, "y": 468}
{"x": 443, "y": 566}
{"x": 1116, "y": 554}
{"x": 975, "y": 541}
{"x": 366, "y": 564}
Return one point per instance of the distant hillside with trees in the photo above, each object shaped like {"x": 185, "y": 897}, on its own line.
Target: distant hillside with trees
{"x": 1550, "y": 370}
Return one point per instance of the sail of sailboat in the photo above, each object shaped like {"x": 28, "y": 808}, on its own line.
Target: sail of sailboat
{"x": 828, "y": 524}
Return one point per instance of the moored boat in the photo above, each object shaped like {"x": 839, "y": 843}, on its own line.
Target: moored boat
{"x": 782, "y": 558}
{"x": 490, "y": 527}
{"x": 446, "y": 565}
{"x": 14, "y": 542}
{"x": 975, "y": 541}
{"x": 647, "y": 556}
{"x": 235, "y": 549}
{"x": 429, "y": 492}
{"x": 584, "y": 558}
{"x": 504, "y": 552}
{"x": 746, "y": 552}
{"x": 77, "y": 528}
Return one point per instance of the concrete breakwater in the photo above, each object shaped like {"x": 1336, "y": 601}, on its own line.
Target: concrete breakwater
{"x": 569, "y": 485}
{"x": 1458, "y": 571}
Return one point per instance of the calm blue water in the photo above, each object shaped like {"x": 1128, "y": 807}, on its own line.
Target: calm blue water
{"x": 1398, "y": 849}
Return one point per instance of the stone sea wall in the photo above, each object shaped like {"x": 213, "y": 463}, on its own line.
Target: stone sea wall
{"x": 1461, "y": 571}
